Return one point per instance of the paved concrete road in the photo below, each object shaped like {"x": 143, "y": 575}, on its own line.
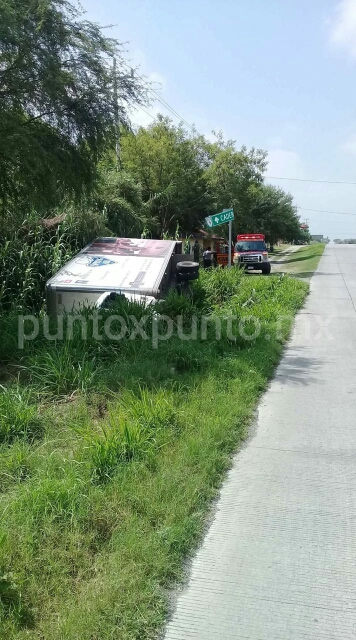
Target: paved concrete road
{"x": 279, "y": 560}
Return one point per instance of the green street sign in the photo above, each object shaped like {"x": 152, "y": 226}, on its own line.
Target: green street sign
{"x": 220, "y": 218}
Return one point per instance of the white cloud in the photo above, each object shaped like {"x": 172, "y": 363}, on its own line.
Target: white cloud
{"x": 138, "y": 61}
{"x": 140, "y": 117}
{"x": 342, "y": 26}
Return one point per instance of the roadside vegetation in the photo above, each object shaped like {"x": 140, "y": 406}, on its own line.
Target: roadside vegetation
{"x": 303, "y": 262}
{"x": 111, "y": 453}
{"x": 112, "y": 450}
{"x": 61, "y": 182}
{"x": 280, "y": 249}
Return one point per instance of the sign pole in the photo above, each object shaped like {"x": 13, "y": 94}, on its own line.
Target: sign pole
{"x": 230, "y": 241}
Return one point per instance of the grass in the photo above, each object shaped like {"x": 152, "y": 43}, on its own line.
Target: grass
{"x": 107, "y": 479}
{"x": 19, "y": 417}
{"x": 305, "y": 261}
{"x": 277, "y": 251}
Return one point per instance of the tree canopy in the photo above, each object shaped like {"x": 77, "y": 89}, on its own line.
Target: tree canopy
{"x": 184, "y": 177}
{"x": 56, "y": 99}
{"x": 163, "y": 159}
{"x": 60, "y": 180}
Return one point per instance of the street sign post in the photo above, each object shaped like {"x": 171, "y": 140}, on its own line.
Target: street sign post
{"x": 221, "y": 218}
{"x": 230, "y": 242}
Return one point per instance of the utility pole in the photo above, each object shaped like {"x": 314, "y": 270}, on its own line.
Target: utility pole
{"x": 116, "y": 118}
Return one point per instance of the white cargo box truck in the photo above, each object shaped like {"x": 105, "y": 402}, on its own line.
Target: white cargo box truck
{"x": 140, "y": 269}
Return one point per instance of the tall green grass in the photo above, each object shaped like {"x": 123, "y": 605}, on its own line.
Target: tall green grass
{"x": 61, "y": 371}
{"x": 105, "y": 485}
{"x": 137, "y": 426}
{"x": 27, "y": 260}
{"x": 19, "y": 417}
{"x": 30, "y": 253}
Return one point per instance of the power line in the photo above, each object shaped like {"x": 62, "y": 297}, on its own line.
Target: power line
{"x": 174, "y": 112}
{"x": 162, "y": 101}
{"x": 339, "y": 213}
{"x": 307, "y": 180}
{"x": 144, "y": 110}
{"x": 177, "y": 115}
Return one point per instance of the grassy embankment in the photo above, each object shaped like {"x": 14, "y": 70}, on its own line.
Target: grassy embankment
{"x": 277, "y": 251}
{"x": 303, "y": 262}
{"x": 111, "y": 453}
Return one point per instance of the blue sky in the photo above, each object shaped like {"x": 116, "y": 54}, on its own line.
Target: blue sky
{"x": 274, "y": 74}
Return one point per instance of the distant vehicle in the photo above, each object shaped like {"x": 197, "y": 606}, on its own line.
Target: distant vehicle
{"x": 251, "y": 252}
{"x": 141, "y": 270}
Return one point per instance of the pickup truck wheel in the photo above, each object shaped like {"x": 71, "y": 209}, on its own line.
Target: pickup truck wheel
{"x": 266, "y": 270}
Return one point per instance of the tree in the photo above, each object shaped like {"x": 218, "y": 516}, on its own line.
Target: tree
{"x": 163, "y": 159}
{"x": 273, "y": 213}
{"x": 230, "y": 176}
{"x": 120, "y": 196}
{"x": 56, "y": 99}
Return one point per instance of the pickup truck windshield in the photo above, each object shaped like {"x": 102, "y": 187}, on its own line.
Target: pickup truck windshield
{"x": 250, "y": 246}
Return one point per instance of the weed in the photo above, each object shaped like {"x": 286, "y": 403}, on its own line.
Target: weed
{"x": 220, "y": 285}
{"x": 11, "y": 604}
{"x": 19, "y": 416}
{"x": 177, "y": 304}
{"x": 61, "y": 371}
{"x": 99, "y": 517}
{"x": 137, "y": 425}
{"x": 16, "y": 464}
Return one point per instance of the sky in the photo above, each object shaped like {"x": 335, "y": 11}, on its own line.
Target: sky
{"x": 278, "y": 75}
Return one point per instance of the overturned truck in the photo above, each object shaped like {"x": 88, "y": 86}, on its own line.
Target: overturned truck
{"x": 139, "y": 269}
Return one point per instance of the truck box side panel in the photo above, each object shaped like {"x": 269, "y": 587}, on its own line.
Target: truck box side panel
{"x": 110, "y": 264}
{"x": 60, "y": 301}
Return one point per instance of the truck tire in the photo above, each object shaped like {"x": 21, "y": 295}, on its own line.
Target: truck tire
{"x": 266, "y": 270}
{"x": 187, "y": 277}
{"x": 187, "y": 266}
